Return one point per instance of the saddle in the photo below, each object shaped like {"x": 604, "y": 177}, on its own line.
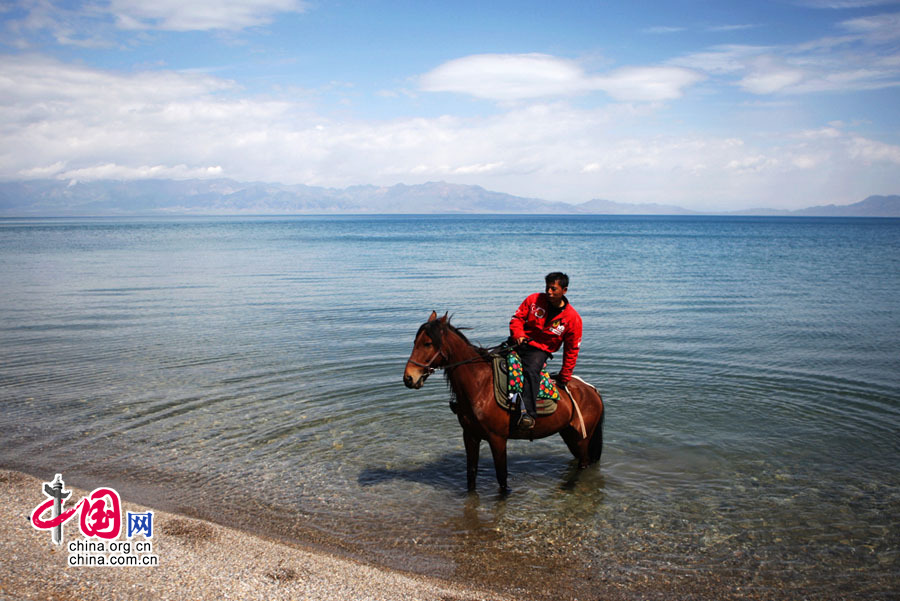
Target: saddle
{"x": 508, "y": 381}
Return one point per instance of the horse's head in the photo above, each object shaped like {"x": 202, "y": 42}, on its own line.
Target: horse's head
{"x": 427, "y": 353}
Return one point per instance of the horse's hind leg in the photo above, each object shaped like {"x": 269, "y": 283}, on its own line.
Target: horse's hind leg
{"x": 595, "y": 447}
{"x": 577, "y": 445}
{"x": 473, "y": 446}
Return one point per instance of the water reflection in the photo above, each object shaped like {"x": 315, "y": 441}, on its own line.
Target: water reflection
{"x": 752, "y": 388}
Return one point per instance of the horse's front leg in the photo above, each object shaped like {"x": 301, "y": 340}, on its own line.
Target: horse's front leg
{"x": 473, "y": 446}
{"x": 498, "y": 450}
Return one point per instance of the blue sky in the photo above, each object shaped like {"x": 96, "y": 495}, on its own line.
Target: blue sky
{"x": 711, "y": 105}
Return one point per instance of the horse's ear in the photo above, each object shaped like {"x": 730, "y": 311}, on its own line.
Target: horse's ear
{"x": 446, "y": 317}
{"x": 433, "y": 316}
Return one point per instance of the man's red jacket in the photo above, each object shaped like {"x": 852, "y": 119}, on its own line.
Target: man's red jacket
{"x": 530, "y": 321}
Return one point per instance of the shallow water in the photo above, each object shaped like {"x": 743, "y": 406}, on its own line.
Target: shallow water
{"x": 249, "y": 371}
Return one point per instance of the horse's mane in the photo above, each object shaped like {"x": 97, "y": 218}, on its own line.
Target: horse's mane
{"x": 435, "y": 331}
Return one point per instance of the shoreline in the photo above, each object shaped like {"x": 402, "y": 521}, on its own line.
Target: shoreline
{"x": 197, "y": 560}
{"x": 203, "y": 560}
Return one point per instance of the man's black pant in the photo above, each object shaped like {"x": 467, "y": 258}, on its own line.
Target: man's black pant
{"x": 533, "y": 361}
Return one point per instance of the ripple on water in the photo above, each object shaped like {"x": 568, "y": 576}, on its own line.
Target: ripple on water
{"x": 752, "y": 411}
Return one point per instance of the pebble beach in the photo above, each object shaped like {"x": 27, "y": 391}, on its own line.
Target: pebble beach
{"x": 198, "y": 560}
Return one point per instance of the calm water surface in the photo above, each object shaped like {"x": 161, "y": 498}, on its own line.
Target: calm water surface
{"x": 249, "y": 371}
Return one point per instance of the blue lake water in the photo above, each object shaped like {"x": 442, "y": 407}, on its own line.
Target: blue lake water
{"x": 248, "y": 370}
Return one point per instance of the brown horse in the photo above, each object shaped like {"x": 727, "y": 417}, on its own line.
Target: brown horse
{"x": 470, "y": 375}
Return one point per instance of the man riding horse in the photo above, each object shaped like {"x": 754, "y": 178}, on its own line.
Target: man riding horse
{"x": 545, "y": 321}
{"x": 542, "y": 323}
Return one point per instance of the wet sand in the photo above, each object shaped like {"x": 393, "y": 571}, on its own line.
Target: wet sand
{"x": 198, "y": 560}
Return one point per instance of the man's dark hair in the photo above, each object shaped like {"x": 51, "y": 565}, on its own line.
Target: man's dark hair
{"x": 559, "y": 277}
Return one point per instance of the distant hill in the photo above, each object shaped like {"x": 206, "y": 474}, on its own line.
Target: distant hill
{"x": 54, "y": 198}
{"x": 609, "y": 207}
{"x": 873, "y": 206}
{"x": 229, "y": 197}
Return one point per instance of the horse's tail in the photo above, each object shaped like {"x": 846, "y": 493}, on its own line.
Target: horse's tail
{"x": 595, "y": 446}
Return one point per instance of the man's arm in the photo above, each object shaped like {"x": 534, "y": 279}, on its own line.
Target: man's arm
{"x": 571, "y": 346}
{"x": 517, "y": 323}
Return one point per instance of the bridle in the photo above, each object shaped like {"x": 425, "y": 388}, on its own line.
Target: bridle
{"x": 440, "y": 353}
{"x": 427, "y": 366}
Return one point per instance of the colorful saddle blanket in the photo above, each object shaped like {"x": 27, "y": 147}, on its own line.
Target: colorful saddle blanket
{"x": 508, "y": 381}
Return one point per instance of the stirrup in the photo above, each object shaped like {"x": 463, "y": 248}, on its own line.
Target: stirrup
{"x": 526, "y": 422}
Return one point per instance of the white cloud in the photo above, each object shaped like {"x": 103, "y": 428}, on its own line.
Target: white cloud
{"x": 727, "y": 28}
{"x": 663, "y": 29}
{"x": 832, "y": 132}
{"x": 751, "y": 163}
{"x": 478, "y": 168}
{"x": 124, "y": 172}
{"x": 509, "y": 77}
{"x": 768, "y": 75}
{"x": 67, "y": 24}
{"x": 873, "y": 151}
{"x": 43, "y": 171}
{"x": 667, "y": 29}
{"x": 42, "y": 82}
{"x": 844, "y": 4}
{"x": 875, "y": 27}
{"x": 54, "y": 123}
{"x": 647, "y": 84}
{"x": 865, "y": 59}
{"x": 77, "y": 118}
{"x": 721, "y": 60}
{"x": 192, "y": 15}
{"x": 506, "y": 76}
{"x": 100, "y": 23}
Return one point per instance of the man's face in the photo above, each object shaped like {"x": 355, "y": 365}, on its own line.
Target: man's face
{"x": 555, "y": 292}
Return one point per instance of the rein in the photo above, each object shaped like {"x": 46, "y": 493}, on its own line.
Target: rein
{"x": 427, "y": 366}
{"x": 431, "y": 369}
{"x": 458, "y": 363}
{"x": 440, "y": 353}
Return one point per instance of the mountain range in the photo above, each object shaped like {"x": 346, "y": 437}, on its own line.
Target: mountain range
{"x": 55, "y": 198}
